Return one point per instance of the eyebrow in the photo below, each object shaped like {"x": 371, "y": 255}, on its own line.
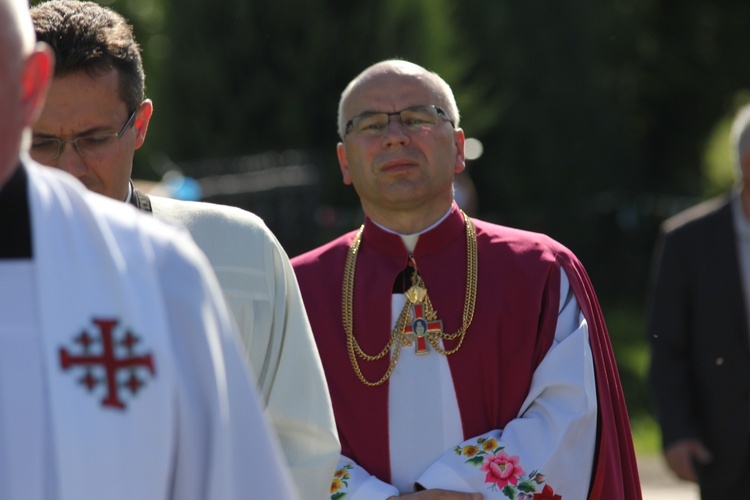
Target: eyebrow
{"x": 93, "y": 130}
{"x": 377, "y": 112}
{"x": 98, "y": 129}
{"x": 407, "y": 107}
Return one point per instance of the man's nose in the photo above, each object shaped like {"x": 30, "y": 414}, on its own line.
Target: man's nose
{"x": 395, "y": 132}
{"x": 70, "y": 160}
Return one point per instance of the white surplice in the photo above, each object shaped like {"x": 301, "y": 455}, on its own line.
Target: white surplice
{"x": 186, "y": 426}
{"x": 263, "y": 295}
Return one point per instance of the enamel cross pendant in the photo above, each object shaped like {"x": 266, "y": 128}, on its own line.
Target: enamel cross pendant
{"x": 419, "y": 325}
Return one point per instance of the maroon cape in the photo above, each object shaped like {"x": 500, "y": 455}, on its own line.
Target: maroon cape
{"x": 514, "y": 323}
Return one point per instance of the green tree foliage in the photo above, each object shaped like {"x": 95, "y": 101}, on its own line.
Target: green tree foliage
{"x": 601, "y": 112}
{"x": 550, "y": 125}
{"x": 246, "y": 77}
{"x": 559, "y": 150}
{"x": 595, "y": 115}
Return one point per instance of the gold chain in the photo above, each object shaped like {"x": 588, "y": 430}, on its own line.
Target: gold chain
{"x": 397, "y": 335}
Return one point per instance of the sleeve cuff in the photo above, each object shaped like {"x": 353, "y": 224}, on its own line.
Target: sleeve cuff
{"x": 374, "y": 489}
{"x": 440, "y": 475}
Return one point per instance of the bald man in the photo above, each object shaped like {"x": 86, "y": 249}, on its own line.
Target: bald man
{"x": 465, "y": 360}
{"x": 98, "y": 92}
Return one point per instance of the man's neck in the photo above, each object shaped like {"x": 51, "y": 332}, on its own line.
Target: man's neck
{"x": 407, "y": 222}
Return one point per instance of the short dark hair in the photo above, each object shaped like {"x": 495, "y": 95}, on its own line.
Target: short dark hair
{"x": 88, "y": 37}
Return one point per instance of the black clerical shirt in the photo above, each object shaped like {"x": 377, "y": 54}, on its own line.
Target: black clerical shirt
{"x": 15, "y": 222}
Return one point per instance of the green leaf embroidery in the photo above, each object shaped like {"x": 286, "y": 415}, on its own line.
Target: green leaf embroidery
{"x": 527, "y": 486}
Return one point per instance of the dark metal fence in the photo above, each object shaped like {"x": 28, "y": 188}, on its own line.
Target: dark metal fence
{"x": 280, "y": 187}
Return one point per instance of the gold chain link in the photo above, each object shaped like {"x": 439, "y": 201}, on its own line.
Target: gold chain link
{"x": 397, "y": 335}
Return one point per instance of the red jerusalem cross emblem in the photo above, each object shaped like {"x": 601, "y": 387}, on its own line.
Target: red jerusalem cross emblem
{"x": 109, "y": 362}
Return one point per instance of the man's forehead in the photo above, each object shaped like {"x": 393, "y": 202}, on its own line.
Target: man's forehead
{"x": 83, "y": 84}
{"x": 78, "y": 103}
{"x": 390, "y": 89}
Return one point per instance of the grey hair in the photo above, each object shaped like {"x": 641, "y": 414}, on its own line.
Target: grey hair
{"x": 740, "y": 138}
{"x": 402, "y": 67}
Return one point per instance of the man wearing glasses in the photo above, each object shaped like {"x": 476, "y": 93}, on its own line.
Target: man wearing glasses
{"x": 464, "y": 359}
{"x": 94, "y": 146}
{"x": 94, "y": 119}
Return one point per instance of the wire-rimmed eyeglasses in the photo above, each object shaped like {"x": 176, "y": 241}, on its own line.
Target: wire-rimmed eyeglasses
{"x": 46, "y": 149}
{"x": 413, "y": 119}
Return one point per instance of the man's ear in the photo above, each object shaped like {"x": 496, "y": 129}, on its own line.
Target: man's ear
{"x": 142, "y": 119}
{"x": 343, "y": 163}
{"x": 460, "y": 142}
{"x": 35, "y": 80}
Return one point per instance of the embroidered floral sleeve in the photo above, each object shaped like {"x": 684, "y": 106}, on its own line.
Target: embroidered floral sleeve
{"x": 546, "y": 452}
{"x": 352, "y": 482}
{"x": 503, "y": 472}
{"x": 339, "y": 483}
{"x": 483, "y": 464}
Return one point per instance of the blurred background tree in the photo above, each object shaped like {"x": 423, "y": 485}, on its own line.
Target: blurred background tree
{"x": 598, "y": 118}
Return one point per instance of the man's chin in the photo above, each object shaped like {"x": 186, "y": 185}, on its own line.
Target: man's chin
{"x": 94, "y": 186}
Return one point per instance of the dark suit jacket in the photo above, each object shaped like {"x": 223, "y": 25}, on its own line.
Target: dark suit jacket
{"x": 700, "y": 367}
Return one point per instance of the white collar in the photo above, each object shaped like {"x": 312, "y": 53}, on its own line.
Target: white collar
{"x": 410, "y": 240}
{"x": 130, "y": 192}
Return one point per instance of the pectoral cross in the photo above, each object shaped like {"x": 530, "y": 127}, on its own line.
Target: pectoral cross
{"x": 420, "y": 328}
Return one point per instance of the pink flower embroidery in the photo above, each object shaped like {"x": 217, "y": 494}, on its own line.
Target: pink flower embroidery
{"x": 502, "y": 469}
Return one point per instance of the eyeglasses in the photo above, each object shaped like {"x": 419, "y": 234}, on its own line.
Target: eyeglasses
{"x": 413, "y": 119}
{"x": 45, "y": 149}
